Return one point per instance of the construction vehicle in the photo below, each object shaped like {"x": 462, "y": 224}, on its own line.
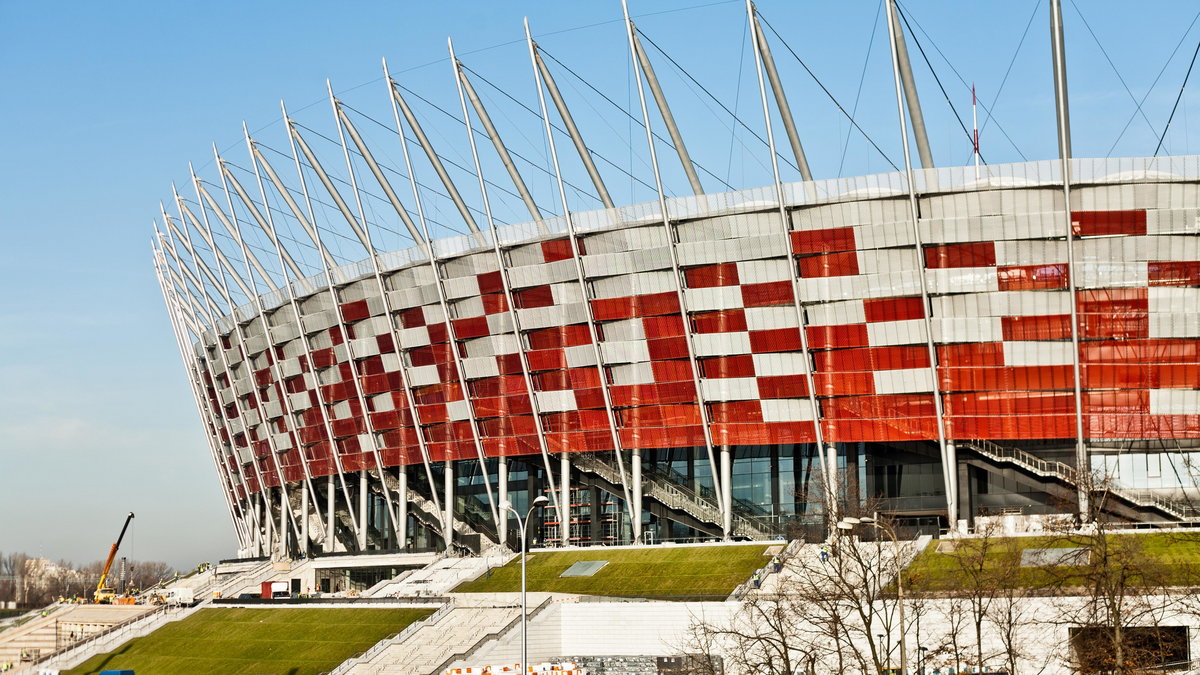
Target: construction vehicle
{"x": 104, "y": 594}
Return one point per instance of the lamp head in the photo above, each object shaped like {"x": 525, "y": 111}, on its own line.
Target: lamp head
{"x": 866, "y": 519}
{"x": 853, "y": 521}
{"x": 845, "y": 526}
{"x": 541, "y": 501}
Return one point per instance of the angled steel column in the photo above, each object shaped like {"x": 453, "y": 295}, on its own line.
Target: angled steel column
{"x": 170, "y": 300}
{"x": 374, "y": 257}
{"x": 639, "y": 55}
{"x": 486, "y": 120}
{"x": 277, "y": 377}
{"x": 228, "y": 179}
{"x": 719, "y": 485}
{"x": 1062, "y": 109}
{"x": 241, "y": 337}
{"x": 949, "y": 472}
{"x": 203, "y": 197}
{"x": 909, "y": 85}
{"x": 260, "y": 161}
{"x": 375, "y": 170}
{"x": 633, "y": 500}
{"x": 210, "y": 316}
{"x": 561, "y": 501}
{"x": 762, "y": 53}
{"x": 430, "y": 254}
{"x": 761, "y": 62}
{"x": 564, "y": 112}
{"x": 294, "y": 305}
{"x": 423, "y": 140}
{"x": 257, "y": 157}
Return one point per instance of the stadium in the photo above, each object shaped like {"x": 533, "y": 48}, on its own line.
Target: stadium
{"x": 939, "y": 343}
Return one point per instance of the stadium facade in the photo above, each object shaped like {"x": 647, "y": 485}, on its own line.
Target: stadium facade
{"x": 938, "y": 342}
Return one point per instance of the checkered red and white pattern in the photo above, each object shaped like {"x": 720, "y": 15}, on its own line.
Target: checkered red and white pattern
{"x": 999, "y": 309}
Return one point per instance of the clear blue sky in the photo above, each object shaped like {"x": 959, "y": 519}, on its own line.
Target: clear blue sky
{"x": 104, "y": 105}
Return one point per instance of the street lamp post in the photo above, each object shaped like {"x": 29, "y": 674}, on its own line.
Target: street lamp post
{"x": 848, "y": 524}
{"x": 507, "y": 506}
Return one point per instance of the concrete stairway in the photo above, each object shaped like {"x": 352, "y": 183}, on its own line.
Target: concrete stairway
{"x": 456, "y": 632}
{"x": 44, "y": 635}
{"x": 440, "y": 577}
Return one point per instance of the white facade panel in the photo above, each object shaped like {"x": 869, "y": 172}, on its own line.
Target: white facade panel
{"x": 1175, "y": 401}
{"x": 837, "y": 313}
{"x": 730, "y": 389}
{"x": 1031, "y": 353}
{"x": 782, "y": 363}
{"x": 771, "y": 318}
{"x": 713, "y": 298}
{"x": 786, "y": 410}
{"x": 967, "y": 329}
{"x": 556, "y": 401}
{"x": 962, "y": 280}
{"x": 907, "y": 381}
{"x": 719, "y": 344}
{"x": 888, "y": 333}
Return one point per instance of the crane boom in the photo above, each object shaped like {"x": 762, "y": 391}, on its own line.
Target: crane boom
{"x": 112, "y": 554}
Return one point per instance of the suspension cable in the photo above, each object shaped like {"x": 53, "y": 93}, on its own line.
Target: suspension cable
{"x": 828, "y": 93}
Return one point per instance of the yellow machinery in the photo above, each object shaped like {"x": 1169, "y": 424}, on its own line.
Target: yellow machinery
{"x": 104, "y": 594}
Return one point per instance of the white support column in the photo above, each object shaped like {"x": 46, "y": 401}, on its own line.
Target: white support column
{"x": 236, "y": 323}
{"x": 639, "y": 55}
{"x": 285, "y": 510}
{"x": 331, "y": 502}
{"x": 949, "y": 472}
{"x": 402, "y": 505}
{"x": 832, "y": 484}
{"x": 564, "y": 112}
{"x": 632, "y": 501}
{"x": 362, "y": 510}
{"x": 171, "y": 300}
{"x": 557, "y": 499}
{"x": 501, "y": 150}
{"x": 564, "y": 471}
{"x": 257, "y": 160}
{"x": 304, "y": 514}
{"x": 727, "y": 496}
{"x": 448, "y": 499}
{"x": 210, "y": 311}
{"x": 671, "y": 237}
{"x": 288, "y": 414}
{"x": 421, "y": 237}
{"x": 502, "y": 495}
{"x": 909, "y": 85}
{"x": 761, "y": 55}
{"x": 398, "y": 105}
{"x": 1063, "y": 117}
{"x": 635, "y": 462}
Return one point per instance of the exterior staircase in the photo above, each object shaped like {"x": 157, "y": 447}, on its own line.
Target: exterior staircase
{"x": 673, "y": 495}
{"x": 1070, "y": 475}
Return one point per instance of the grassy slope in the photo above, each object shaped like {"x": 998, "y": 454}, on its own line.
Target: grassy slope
{"x": 648, "y": 572}
{"x": 933, "y": 571}
{"x": 256, "y": 641}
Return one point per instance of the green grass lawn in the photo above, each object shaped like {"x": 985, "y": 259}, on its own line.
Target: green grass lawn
{"x": 1175, "y": 558}
{"x": 255, "y": 641}
{"x": 658, "y": 572}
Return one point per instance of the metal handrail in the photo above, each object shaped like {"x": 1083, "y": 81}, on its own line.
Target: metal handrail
{"x": 90, "y": 639}
{"x": 672, "y": 494}
{"x": 369, "y": 654}
{"x": 1070, "y": 474}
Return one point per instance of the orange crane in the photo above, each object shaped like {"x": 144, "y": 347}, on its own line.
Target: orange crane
{"x": 104, "y": 594}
